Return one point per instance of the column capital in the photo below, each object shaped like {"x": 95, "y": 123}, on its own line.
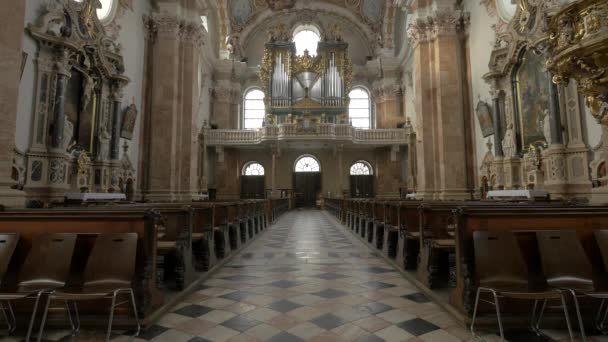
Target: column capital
{"x": 165, "y": 25}
{"x": 440, "y": 22}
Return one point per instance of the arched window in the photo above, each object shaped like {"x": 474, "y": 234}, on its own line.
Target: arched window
{"x": 253, "y": 169}
{"x": 307, "y": 163}
{"x": 105, "y": 12}
{"x": 359, "y": 108}
{"x": 361, "y": 168}
{"x": 254, "y": 109}
{"x": 306, "y": 37}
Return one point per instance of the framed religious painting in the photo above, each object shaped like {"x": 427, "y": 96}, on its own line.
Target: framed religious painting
{"x": 531, "y": 88}
{"x": 484, "y": 116}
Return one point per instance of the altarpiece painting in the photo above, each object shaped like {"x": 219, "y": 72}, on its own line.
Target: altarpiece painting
{"x": 532, "y": 90}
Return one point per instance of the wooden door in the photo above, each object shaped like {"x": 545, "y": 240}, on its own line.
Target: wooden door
{"x": 362, "y": 186}
{"x": 306, "y": 187}
{"x": 252, "y": 187}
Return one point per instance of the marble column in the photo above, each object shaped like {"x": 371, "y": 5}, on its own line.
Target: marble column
{"x": 387, "y": 97}
{"x": 554, "y": 112}
{"x": 63, "y": 75}
{"x": 440, "y": 71}
{"x": 116, "y": 122}
{"x": 11, "y": 36}
{"x": 496, "y": 117}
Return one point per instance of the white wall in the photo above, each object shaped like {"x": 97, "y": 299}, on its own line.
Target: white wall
{"x": 481, "y": 43}
{"x": 132, "y": 39}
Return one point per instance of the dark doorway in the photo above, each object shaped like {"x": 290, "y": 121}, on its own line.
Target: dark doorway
{"x": 252, "y": 187}
{"x": 306, "y": 187}
{"x": 362, "y": 186}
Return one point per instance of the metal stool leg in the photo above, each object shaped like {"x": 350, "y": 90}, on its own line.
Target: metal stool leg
{"x": 579, "y": 316}
{"x": 475, "y": 312}
{"x": 566, "y": 314}
{"x": 502, "y": 333}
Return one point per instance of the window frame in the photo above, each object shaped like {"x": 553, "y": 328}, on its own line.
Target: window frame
{"x": 306, "y": 156}
{"x": 369, "y": 107}
{"x": 364, "y": 163}
{"x": 244, "y": 116}
{"x": 304, "y": 28}
{"x": 251, "y": 164}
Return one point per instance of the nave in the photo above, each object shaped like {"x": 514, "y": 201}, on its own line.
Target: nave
{"x": 307, "y": 279}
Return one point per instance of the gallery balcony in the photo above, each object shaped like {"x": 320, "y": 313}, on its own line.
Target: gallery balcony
{"x": 325, "y": 132}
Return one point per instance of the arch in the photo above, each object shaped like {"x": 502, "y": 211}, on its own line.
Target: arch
{"x": 361, "y": 168}
{"x": 359, "y": 108}
{"x": 307, "y": 163}
{"x": 262, "y": 20}
{"x": 253, "y": 168}
{"x": 306, "y": 38}
{"x": 254, "y": 108}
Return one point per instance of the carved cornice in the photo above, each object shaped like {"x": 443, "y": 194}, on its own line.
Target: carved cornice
{"x": 192, "y": 33}
{"x": 440, "y": 23}
{"x": 229, "y": 95}
{"x": 386, "y": 90}
{"x": 166, "y": 25}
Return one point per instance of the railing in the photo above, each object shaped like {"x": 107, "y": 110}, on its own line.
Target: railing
{"x": 347, "y": 133}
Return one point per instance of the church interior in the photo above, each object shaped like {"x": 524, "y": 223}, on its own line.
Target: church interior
{"x": 304, "y": 170}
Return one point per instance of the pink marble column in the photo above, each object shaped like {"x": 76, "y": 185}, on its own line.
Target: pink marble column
{"x": 12, "y": 18}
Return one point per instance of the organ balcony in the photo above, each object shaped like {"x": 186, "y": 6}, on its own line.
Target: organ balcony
{"x": 325, "y": 132}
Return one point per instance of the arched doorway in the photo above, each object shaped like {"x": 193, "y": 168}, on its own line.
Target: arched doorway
{"x": 306, "y": 180}
{"x": 361, "y": 180}
{"x": 252, "y": 181}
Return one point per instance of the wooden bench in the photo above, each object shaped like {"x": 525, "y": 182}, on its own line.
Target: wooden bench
{"x": 88, "y": 223}
{"x": 523, "y": 221}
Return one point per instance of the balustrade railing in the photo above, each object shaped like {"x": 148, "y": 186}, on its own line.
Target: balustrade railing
{"x": 314, "y": 132}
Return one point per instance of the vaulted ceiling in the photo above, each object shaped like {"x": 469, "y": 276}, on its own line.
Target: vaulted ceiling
{"x": 369, "y": 23}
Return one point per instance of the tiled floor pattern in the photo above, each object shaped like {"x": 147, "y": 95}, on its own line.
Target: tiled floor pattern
{"x": 306, "y": 279}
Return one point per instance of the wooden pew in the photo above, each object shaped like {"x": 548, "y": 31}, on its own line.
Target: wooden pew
{"x": 523, "y": 221}
{"x": 409, "y": 234}
{"x": 391, "y": 229}
{"x": 88, "y": 223}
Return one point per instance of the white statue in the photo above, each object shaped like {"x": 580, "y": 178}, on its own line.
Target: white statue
{"x": 104, "y": 143}
{"x": 68, "y": 133}
{"x": 547, "y": 126}
{"x": 508, "y": 142}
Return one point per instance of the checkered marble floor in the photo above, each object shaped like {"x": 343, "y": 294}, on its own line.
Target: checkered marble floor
{"x": 306, "y": 279}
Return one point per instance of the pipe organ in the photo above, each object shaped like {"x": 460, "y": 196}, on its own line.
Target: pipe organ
{"x": 313, "y": 86}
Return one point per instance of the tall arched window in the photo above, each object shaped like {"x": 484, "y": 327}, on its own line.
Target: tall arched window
{"x": 359, "y": 108}
{"x": 254, "y": 109}
{"x": 360, "y": 168}
{"x": 253, "y": 169}
{"x": 306, "y": 37}
{"x": 307, "y": 163}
